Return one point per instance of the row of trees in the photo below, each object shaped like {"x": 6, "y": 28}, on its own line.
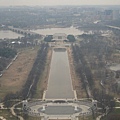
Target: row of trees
{"x": 104, "y": 100}
{"x": 7, "y": 52}
{"x": 82, "y": 67}
{"x": 96, "y": 46}
{"x": 71, "y": 38}
{"x": 97, "y": 50}
{"x": 84, "y": 72}
{"x": 3, "y": 63}
{"x": 49, "y": 38}
{"x": 30, "y": 86}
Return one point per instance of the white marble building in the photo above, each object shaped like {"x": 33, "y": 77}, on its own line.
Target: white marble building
{"x": 59, "y": 36}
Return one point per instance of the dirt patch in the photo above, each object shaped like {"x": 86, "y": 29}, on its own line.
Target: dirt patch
{"x": 77, "y": 85}
{"x": 14, "y": 78}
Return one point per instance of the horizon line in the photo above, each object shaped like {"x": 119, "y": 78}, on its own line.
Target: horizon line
{"x": 51, "y": 5}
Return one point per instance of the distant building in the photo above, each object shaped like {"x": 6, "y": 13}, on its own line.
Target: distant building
{"x": 116, "y": 14}
{"x": 59, "y": 36}
{"x": 108, "y": 12}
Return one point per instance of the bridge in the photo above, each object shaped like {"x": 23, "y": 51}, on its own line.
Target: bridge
{"x": 113, "y": 27}
{"x": 24, "y": 32}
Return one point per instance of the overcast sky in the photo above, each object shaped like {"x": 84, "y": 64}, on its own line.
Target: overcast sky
{"x": 58, "y": 2}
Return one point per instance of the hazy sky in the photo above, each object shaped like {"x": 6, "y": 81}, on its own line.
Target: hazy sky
{"x": 58, "y": 2}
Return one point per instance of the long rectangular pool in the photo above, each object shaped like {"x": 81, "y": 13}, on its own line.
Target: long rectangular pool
{"x": 59, "y": 82}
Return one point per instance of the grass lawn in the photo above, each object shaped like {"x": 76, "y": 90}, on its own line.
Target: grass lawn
{"x": 16, "y": 75}
{"x": 7, "y": 115}
{"x": 117, "y": 104}
{"x": 114, "y": 115}
{"x": 26, "y": 117}
{"x": 33, "y": 118}
{"x": 116, "y": 111}
{"x": 86, "y": 118}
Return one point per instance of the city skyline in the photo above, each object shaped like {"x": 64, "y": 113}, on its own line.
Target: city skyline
{"x": 57, "y": 2}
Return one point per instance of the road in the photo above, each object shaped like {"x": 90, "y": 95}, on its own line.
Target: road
{"x": 114, "y": 27}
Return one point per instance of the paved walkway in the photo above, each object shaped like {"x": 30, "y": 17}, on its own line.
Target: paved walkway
{"x": 2, "y": 118}
{"x": 13, "y": 112}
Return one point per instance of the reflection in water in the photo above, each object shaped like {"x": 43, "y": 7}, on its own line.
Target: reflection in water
{"x": 9, "y": 34}
{"x": 59, "y": 82}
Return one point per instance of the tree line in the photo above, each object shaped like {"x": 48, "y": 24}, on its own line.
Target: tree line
{"x": 7, "y": 52}
{"x": 84, "y": 72}
{"x": 82, "y": 67}
{"x": 71, "y": 38}
{"x": 35, "y": 72}
{"x": 30, "y": 86}
{"x": 49, "y": 38}
{"x": 104, "y": 100}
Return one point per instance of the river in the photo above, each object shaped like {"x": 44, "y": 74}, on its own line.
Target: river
{"x": 9, "y": 34}
{"x": 51, "y": 31}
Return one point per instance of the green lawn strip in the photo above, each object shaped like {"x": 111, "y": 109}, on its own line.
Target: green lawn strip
{"x": 116, "y": 111}
{"x": 7, "y": 115}
{"x": 114, "y": 114}
{"x": 39, "y": 92}
{"x": 85, "y": 118}
{"x": 27, "y": 117}
{"x": 117, "y": 104}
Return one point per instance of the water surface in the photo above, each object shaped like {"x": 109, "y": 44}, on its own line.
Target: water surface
{"x": 59, "y": 82}
{"x": 51, "y": 31}
{"x": 9, "y": 34}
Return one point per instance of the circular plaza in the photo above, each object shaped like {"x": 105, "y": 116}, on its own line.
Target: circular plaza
{"x": 59, "y": 109}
